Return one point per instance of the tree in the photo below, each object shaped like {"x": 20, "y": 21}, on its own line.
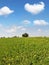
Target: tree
{"x": 25, "y": 35}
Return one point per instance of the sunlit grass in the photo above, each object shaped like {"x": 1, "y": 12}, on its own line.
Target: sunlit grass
{"x": 24, "y": 51}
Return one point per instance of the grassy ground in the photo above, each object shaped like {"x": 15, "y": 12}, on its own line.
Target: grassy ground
{"x": 24, "y": 51}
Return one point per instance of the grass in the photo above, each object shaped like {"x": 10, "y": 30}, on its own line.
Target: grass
{"x": 24, "y": 51}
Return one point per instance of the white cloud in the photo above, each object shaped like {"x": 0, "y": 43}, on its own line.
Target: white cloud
{"x": 26, "y": 22}
{"x": 23, "y": 29}
{"x": 19, "y": 27}
{"x": 19, "y": 30}
{"x": 5, "y": 11}
{"x": 11, "y": 30}
{"x": 39, "y": 30}
{"x": 40, "y": 22}
{"x": 35, "y": 8}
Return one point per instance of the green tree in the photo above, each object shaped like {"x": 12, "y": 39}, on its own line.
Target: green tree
{"x": 25, "y": 35}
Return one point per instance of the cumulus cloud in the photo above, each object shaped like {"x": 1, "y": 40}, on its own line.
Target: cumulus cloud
{"x": 5, "y": 11}
{"x": 34, "y": 8}
{"x": 11, "y": 30}
{"x": 14, "y": 29}
{"x": 26, "y": 22}
{"x": 40, "y": 22}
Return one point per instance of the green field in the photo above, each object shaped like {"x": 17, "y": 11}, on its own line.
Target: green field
{"x": 24, "y": 51}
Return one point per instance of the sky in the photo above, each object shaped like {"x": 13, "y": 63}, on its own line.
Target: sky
{"x": 24, "y": 16}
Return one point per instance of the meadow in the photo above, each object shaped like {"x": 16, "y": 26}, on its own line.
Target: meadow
{"x": 24, "y": 51}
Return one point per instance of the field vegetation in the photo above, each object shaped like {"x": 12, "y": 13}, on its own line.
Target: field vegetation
{"x": 24, "y": 51}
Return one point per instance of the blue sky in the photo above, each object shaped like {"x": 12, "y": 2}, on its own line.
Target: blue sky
{"x": 25, "y": 16}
